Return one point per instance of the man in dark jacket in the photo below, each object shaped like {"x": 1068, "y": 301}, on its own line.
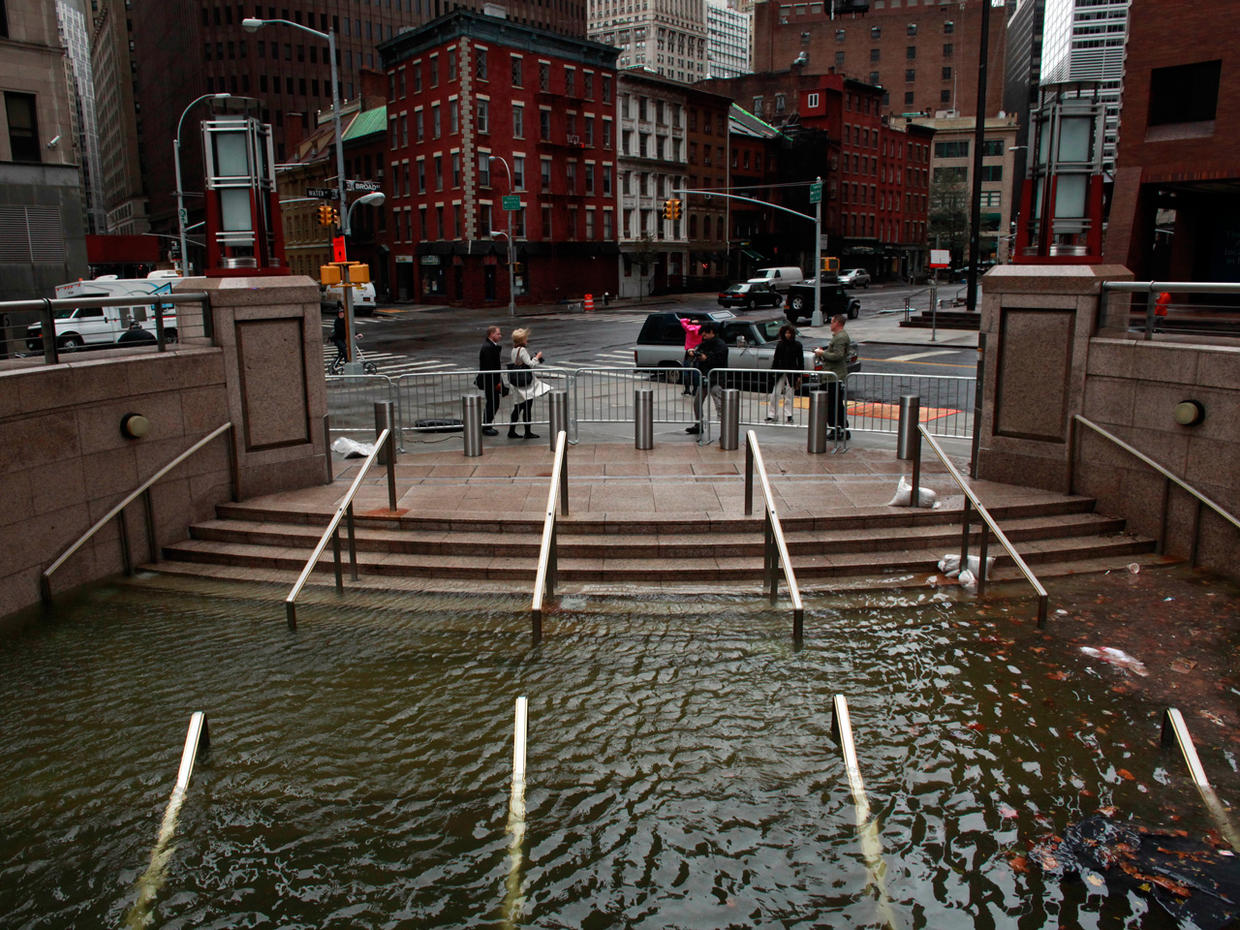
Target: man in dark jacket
{"x": 488, "y": 380}
{"x": 712, "y": 353}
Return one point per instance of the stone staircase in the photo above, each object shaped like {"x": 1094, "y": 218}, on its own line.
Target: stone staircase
{"x": 944, "y": 319}
{"x": 864, "y": 547}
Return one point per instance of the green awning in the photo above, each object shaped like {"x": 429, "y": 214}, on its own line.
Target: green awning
{"x": 752, "y": 255}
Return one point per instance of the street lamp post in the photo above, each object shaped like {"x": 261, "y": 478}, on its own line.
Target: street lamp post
{"x": 512, "y": 292}
{"x": 253, "y": 24}
{"x": 176, "y": 160}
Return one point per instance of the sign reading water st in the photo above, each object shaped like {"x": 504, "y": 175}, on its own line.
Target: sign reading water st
{"x": 323, "y": 193}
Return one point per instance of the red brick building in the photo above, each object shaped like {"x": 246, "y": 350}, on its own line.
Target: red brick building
{"x": 1175, "y": 208}
{"x": 925, "y": 57}
{"x": 481, "y": 108}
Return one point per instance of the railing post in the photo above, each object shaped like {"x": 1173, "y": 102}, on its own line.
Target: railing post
{"x": 563, "y": 476}
{"x": 126, "y": 559}
{"x": 149, "y": 512}
{"x": 748, "y": 477}
{"x": 336, "y": 559}
{"x": 964, "y": 531}
{"x": 471, "y": 421}
{"x": 1162, "y": 528}
{"x": 730, "y": 414}
{"x": 557, "y": 416}
{"x": 643, "y": 418}
{"x": 981, "y": 558}
{"x": 47, "y": 325}
{"x": 352, "y": 540}
{"x": 816, "y": 434}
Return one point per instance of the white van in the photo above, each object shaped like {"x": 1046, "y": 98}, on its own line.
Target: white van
{"x": 93, "y": 326}
{"x": 779, "y": 278}
{"x": 363, "y": 297}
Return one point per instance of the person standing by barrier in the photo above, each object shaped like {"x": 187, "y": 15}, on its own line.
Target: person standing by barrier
{"x": 489, "y": 380}
{"x": 834, "y": 356}
{"x": 693, "y": 338}
{"x": 525, "y": 386}
{"x": 788, "y": 363}
{"x": 340, "y": 335}
{"x": 712, "y": 353}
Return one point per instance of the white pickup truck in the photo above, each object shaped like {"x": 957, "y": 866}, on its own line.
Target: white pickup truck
{"x": 78, "y": 327}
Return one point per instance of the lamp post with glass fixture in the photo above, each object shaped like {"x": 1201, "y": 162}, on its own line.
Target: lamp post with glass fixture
{"x": 176, "y": 161}
{"x": 512, "y": 293}
{"x": 253, "y": 24}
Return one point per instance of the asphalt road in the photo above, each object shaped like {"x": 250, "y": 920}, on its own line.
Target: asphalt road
{"x": 417, "y": 339}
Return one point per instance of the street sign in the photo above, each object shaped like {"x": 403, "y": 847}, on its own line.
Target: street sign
{"x": 815, "y": 192}
{"x": 512, "y": 201}
{"x": 940, "y": 258}
{"x": 352, "y": 185}
{"x": 323, "y": 193}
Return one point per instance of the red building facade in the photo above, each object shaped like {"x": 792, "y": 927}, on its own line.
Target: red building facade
{"x": 481, "y": 109}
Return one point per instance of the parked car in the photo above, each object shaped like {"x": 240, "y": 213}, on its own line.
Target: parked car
{"x": 363, "y": 298}
{"x": 855, "y": 277}
{"x": 750, "y": 296}
{"x": 800, "y": 301}
{"x": 751, "y": 344}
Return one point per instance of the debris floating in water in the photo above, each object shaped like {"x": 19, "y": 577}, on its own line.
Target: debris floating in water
{"x": 1193, "y": 879}
{"x": 1134, "y": 567}
{"x": 1117, "y": 657}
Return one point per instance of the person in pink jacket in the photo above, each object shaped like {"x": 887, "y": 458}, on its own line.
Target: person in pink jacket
{"x": 693, "y": 339}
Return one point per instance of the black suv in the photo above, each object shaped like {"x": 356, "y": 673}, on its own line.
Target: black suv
{"x": 834, "y": 300}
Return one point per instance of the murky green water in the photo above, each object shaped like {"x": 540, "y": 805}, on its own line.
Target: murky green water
{"x": 681, "y": 767}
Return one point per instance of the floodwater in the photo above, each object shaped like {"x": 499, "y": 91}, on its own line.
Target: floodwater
{"x": 681, "y": 766}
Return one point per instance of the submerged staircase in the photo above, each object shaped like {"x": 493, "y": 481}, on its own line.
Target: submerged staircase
{"x": 860, "y": 547}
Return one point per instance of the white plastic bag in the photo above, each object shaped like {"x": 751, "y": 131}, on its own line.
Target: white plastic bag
{"x": 950, "y": 565}
{"x": 351, "y": 449}
{"x": 904, "y": 493}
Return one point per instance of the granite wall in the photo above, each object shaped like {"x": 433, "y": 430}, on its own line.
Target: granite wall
{"x": 1048, "y": 360}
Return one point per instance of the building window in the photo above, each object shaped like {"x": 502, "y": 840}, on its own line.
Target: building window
{"x": 1184, "y": 93}
{"x": 544, "y": 76}
{"x": 484, "y": 116}
{"x": 456, "y": 171}
{"x": 948, "y": 28}
{"x": 908, "y": 98}
{"x": 876, "y": 32}
{"x": 480, "y": 63}
{"x": 839, "y": 35}
{"x": 947, "y": 73}
{"x": 811, "y": 101}
{"x": 955, "y": 149}
{"x": 518, "y": 172}
{"x": 545, "y": 173}
{"x": 544, "y": 125}
{"x": 779, "y": 103}
{"x": 910, "y": 53}
{"x": 417, "y": 77}
{"x": 839, "y": 59}
{"x": 484, "y": 170}
{"x": 912, "y": 29}
{"x": 992, "y": 172}
{"x": 910, "y": 75}
{"x": 418, "y": 130}
{"x": 570, "y": 82}
{"x": 874, "y": 54}
{"x": 874, "y": 77}
{"x": 992, "y": 147}
{"x": 518, "y": 121}
{"x": 451, "y": 64}
{"x": 436, "y": 128}
{"x": 454, "y": 116}
{"x": 948, "y": 50}
{"x": 516, "y": 71}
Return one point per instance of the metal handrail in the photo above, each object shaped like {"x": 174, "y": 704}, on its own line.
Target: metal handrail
{"x": 544, "y": 578}
{"x": 45, "y": 580}
{"x": 775, "y": 548}
{"x": 345, "y": 506}
{"x": 1168, "y": 480}
{"x": 1153, "y": 289}
{"x": 46, "y": 306}
{"x": 989, "y": 526}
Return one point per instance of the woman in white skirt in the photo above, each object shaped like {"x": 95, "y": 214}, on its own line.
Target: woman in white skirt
{"x": 525, "y": 386}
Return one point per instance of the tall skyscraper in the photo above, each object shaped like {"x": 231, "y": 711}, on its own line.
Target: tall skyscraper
{"x": 667, "y": 37}
{"x": 75, "y": 36}
{"x": 729, "y": 35}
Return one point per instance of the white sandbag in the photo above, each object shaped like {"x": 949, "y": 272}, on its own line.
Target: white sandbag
{"x": 904, "y": 493}
{"x": 351, "y": 449}
{"x": 967, "y": 580}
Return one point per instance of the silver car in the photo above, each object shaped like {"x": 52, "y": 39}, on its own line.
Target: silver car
{"x": 855, "y": 277}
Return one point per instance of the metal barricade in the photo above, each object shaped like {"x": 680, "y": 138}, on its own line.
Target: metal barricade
{"x": 351, "y": 403}
{"x": 429, "y": 402}
{"x": 605, "y": 395}
{"x": 946, "y": 402}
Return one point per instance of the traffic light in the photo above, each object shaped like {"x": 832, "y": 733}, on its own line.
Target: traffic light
{"x": 325, "y": 215}
{"x": 335, "y": 216}
{"x": 669, "y": 209}
{"x": 676, "y": 208}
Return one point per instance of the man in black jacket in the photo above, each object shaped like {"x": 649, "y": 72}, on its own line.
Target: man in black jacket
{"x": 712, "y": 353}
{"x": 488, "y": 380}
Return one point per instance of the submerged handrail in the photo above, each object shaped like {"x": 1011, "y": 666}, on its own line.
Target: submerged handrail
{"x": 544, "y": 578}
{"x": 332, "y": 532}
{"x": 197, "y": 740}
{"x": 1174, "y": 728}
{"x": 45, "y": 580}
{"x": 1168, "y": 480}
{"x": 775, "y": 548}
{"x": 989, "y": 524}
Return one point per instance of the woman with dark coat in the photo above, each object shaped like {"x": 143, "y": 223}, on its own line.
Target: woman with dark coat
{"x": 788, "y": 363}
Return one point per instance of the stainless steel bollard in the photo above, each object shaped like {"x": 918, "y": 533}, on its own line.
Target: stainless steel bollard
{"x": 383, "y": 420}
{"x": 730, "y": 413}
{"x": 471, "y": 416}
{"x": 816, "y": 442}
{"x": 910, "y": 417}
{"x": 643, "y": 418}
{"x": 557, "y": 402}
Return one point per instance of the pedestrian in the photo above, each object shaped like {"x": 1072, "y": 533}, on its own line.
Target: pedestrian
{"x": 489, "y": 380}
{"x": 788, "y": 363}
{"x": 835, "y": 356}
{"x": 711, "y": 353}
{"x": 693, "y": 338}
{"x": 1160, "y": 311}
{"x": 339, "y": 336}
{"x": 525, "y": 385}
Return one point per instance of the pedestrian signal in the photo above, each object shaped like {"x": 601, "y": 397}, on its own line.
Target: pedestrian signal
{"x": 830, "y": 265}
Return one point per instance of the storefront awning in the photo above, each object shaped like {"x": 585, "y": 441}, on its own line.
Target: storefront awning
{"x": 752, "y": 255}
